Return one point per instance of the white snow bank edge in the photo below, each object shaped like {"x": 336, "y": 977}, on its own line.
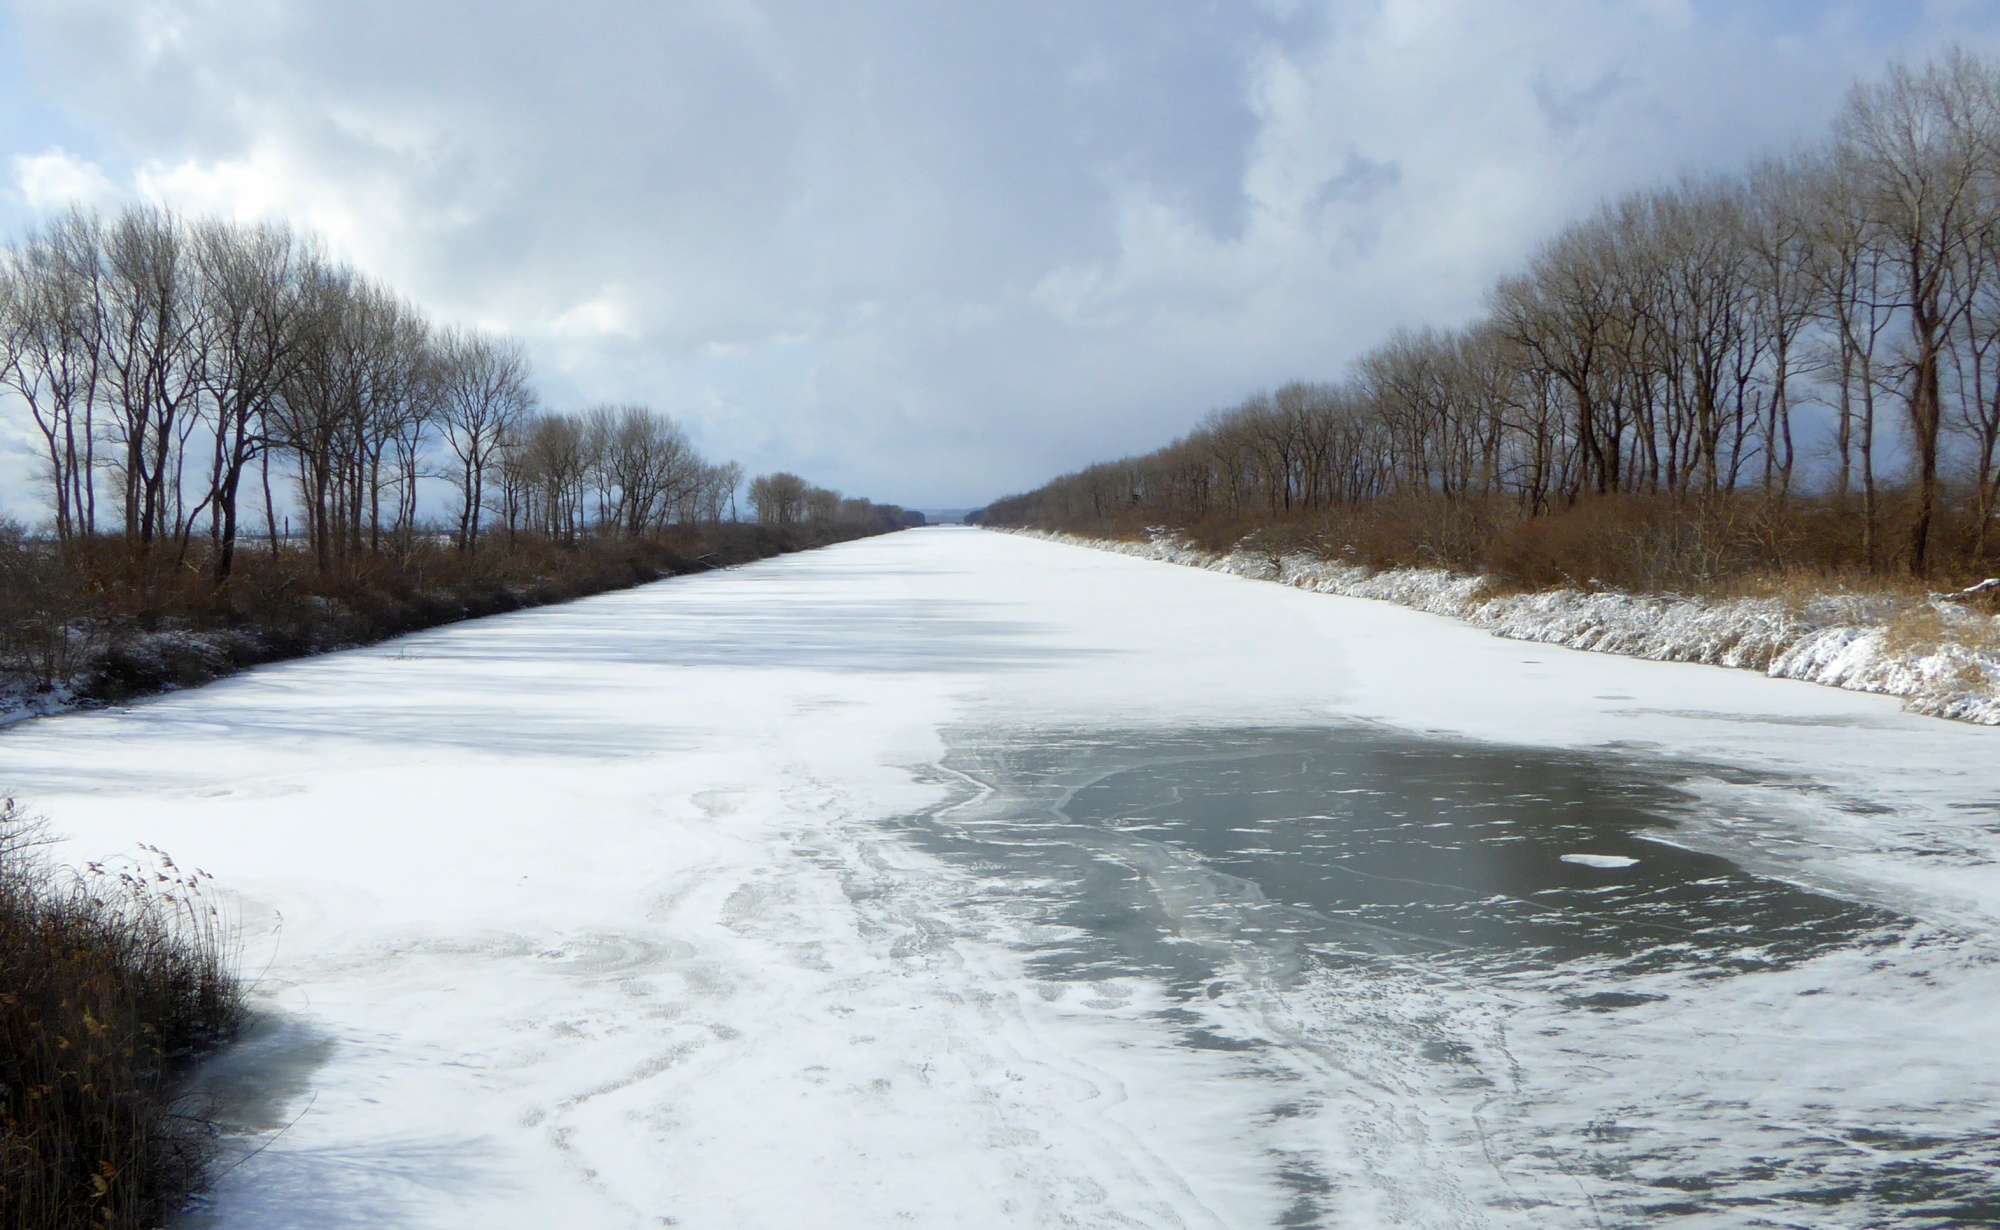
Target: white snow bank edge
{"x": 1837, "y": 641}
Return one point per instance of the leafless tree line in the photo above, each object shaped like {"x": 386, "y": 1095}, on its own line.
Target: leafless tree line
{"x": 618, "y": 469}
{"x": 786, "y": 501}
{"x": 182, "y": 374}
{"x": 1827, "y": 324}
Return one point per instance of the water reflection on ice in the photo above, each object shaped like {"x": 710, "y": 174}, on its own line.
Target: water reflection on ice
{"x": 1483, "y": 991}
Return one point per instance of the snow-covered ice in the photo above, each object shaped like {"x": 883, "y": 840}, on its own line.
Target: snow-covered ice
{"x": 1840, "y": 640}
{"x": 650, "y": 910}
{"x": 1601, "y": 860}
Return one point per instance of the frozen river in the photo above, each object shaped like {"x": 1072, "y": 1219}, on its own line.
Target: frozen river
{"x": 959, "y": 879}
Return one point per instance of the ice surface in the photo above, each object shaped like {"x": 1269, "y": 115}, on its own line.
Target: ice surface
{"x": 609, "y": 914}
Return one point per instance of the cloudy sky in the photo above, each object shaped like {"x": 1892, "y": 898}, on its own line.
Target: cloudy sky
{"x": 929, "y": 251}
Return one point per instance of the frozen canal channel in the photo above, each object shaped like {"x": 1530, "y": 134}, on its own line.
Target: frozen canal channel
{"x": 958, "y": 879}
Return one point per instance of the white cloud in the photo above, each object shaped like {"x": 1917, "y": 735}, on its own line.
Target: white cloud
{"x": 608, "y": 315}
{"x": 55, "y": 179}
{"x": 932, "y": 253}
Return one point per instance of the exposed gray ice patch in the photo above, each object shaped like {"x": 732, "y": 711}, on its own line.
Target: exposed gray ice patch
{"x": 1478, "y": 986}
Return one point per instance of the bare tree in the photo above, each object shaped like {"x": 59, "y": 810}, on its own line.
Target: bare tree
{"x": 254, "y": 325}
{"x": 52, "y": 353}
{"x": 1910, "y": 141}
{"x": 482, "y": 390}
{"x": 152, "y": 336}
{"x": 779, "y": 499}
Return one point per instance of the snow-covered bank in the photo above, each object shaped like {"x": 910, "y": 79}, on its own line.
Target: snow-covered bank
{"x": 105, "y": 657}
{"x": 1841, "y": 641}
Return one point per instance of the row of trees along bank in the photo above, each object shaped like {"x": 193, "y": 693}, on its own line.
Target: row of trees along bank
{"x": 238, "y": 432}
{"x": 1804, "y": 360}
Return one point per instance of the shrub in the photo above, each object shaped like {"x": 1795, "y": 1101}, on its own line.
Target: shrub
{"x": 111, "y": 982}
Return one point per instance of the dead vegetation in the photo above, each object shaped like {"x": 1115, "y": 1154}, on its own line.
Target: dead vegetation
{"x": 1718, "y": 547}
{"x": 112, "y": 980}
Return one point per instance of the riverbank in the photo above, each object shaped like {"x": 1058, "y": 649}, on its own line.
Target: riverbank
{"x": 1939, "y": 656}
{"x": 116, "y": 633}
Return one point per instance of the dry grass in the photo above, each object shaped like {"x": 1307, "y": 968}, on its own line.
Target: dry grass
{"x": 111, "y": 981}
{"x": 1719, "y": 547}
{"x": 1924, "y": 628}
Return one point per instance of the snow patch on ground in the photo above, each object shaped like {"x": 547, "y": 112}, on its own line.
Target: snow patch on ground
{"x": 1841, "y": 641}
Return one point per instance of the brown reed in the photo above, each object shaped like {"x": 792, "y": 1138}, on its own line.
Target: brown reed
{"x": 113, "y": 979}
